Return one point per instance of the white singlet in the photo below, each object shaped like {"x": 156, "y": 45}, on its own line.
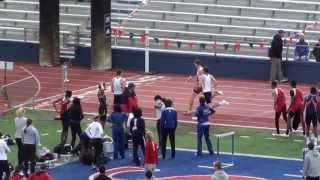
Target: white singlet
{"x": 117, "y": 86}
{"x": 206, "y": 82}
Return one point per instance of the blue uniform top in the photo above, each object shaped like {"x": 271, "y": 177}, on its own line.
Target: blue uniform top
{"x": 169, "y": 118}
{"x": 117, "y": 119}
{"x": 203, "y": 113}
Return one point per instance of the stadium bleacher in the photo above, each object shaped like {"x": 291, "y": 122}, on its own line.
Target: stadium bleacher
{"x": 220, "y": 22}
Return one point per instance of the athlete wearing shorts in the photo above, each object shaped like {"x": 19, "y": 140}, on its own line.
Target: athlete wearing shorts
{"x": 310, "y": 104}
{"x": 279, "y": 104}
{"x": 197, "y": 89}
{"x": 295, "y": 109}
{"x": 207, "y": 81}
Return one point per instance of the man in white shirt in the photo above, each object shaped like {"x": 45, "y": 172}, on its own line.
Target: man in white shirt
{"x": 4, "y": 166}
{"x": 311, "y": 165}
{"x": 117, "y": 87}
{"x": 95, "y": 132}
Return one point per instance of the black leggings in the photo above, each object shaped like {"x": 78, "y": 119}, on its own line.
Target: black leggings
{"x": 164, "y": 135}
{"x": 65, "y": 130}
{"x": 4, "y": 168}
{"x": 75, "y": 130}
{"x": 20, "y": 146}
{"x": 29, "y": 155}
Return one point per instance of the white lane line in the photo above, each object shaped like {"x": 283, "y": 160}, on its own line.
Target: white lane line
{"x": 45, "y": 134}
{"x": 245, "y": 137}
{"x": 293, "y": 175}
{"x": 298, "y": 140}
{"x": 59, "y": 131}
{"x": 270, "y": 138}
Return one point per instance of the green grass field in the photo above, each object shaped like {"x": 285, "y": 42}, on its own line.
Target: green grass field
{"x": 249, "y": 141}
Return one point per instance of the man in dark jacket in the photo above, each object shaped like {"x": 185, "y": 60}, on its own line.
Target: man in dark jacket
{"x": 137, "y": 129}
{"x": 276, "y": 57}
{"x": 168, "y": 126}
{"x": 316, "y": 51}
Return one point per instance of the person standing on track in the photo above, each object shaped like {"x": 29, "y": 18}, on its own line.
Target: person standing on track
{"x": 20, "y": 122}
{"x": 168, "y": 125}
{"x": 118, "y": 119}
{"x": 76, "y": 115}
{"x": 310, "y": 104}
{"x": 118, "y": 85}
{"x": 65, "y": 121}
{"x": 279, "y": 104}
{"x": 295, "y": 109}
{"x": 137, "y": 129}
{"x": 275, "y": 54}
{"x": 207, "y": 83}
{"x": 159, "y": 107}
{"x": 102, "y": 100}
{"x": 4, "y": 165}
{"x": 197, "y": 88}
{"x": 129, "y": 99}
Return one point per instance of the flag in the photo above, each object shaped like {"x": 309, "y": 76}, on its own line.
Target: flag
{"x": 214, "y": 45}
{"x": 190, "y": 45}
{"x": 236, "y": 46}
{"x": 166, "y": 43}
{"x": 261, "y": 44}
{"x": 143, "y": 38}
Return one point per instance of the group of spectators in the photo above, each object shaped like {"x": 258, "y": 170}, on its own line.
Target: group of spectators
{"x": 27, "y": 140}
{"x": 126, "y": 122}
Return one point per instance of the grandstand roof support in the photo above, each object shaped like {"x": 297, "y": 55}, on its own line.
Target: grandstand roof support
{"x": 101, "y": 34}
{"x": 49, "y": 51}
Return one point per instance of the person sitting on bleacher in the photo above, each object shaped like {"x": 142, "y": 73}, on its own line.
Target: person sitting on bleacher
{"x": 301, "y": 51}
{"x": 311, "y": 165}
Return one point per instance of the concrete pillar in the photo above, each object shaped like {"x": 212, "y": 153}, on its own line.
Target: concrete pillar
{"x": 49, "y": 51}
{"x": 101, "y": 34}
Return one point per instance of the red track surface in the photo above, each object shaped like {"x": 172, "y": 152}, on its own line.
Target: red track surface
{"x": 251, "y": 102}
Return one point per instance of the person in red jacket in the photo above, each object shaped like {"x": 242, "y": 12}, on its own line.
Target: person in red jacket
{"x": 295, "y": 109}
{"x": 129, "y": 99}
{"x": 41, "y": 175}
{"x": 279, "y": 104}
{"x": 151, "y": 154}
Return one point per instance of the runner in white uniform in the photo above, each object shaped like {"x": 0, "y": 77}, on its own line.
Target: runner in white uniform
{"x": 197, "y": 89}
{"x": 117, "y": 87}
{"x": 209, "y": 83}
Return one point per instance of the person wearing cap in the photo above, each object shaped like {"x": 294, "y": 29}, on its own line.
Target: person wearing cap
{"x": 311, "y": 165}
{"x": 128, "y": 98}
{"x": 275, "y": 54}
{"x": 301, "y": 51}
{"x": 316, "y": 51}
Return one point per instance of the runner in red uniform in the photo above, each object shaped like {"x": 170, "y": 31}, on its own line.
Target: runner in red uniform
{"x": 279, "y": 104}
{"x": 295, "y": 109}
{"x": 197, "y": 88}
{"x": 64, "y": 105}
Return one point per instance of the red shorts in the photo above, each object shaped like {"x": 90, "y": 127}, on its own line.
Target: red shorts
{"x": 197, "y": 90}
{"x": 281, "y": 108}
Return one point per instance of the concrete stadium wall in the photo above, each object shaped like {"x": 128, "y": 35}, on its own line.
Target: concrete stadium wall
{"x": 161, "y": 62}
{"x": 19, "y": 51}
{"x": 219, "y": 66}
